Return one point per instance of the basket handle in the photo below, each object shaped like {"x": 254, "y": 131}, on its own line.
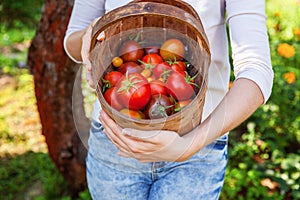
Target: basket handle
{"x": 149, "y": 9}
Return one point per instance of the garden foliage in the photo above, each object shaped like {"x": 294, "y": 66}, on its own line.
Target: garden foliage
{"x": 264, "y": 152}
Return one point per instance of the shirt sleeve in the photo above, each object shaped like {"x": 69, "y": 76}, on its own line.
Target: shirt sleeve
{"x": 250, "y": 43}
{"x": 83, "y": 13}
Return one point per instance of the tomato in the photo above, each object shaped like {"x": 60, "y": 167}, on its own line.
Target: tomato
{"x": 134, "y": 91}
{"x": 146, "y": 73}
{"x": 131, "y": 51}
{"x": 130, "y": 67}
{"x": 151, "y": 78}
{"x": 111, "y": 79}
{"x": 159, "y": 106}
{"x": 183, "y": 73}
{"x": 180, "y": 87}
{"x": 172, "y": 49}
{"x": 162, "y": 70}
{"x": 182, "y": 65}
{"x": 161, "y": 79}
{"x": 181, "y": 104}
{"x": 117, "y": 61}
{"x": 151, "y": 49}
{"x": 111, "y": 98}
{"x": 152, "y": 58}
{"x": 158, "y": 87}
{"x": 178, "y": 66}
{"x": 149, "y": 61}
{"x": 133, "y": 113}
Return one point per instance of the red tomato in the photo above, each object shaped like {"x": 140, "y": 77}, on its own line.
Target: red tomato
{"x": 131, "y": 51}
{"x": 152, "y": 58}
{"x": 111, "y": 98}
{"x": 178, "y": 66}
{"x": 111, "y": 78}
{"x": 133, "y": 113}
{"x": 162, "y": 70}
{"x": 134, "y": 91}
{"x": 183, "y": 73}
{"x": 159, "y": 106}
{"x": 179, "y": 87}
{"x": 172, "y": 49}
{"x": 158, "y": 87}
{"x": 130, "y": 67}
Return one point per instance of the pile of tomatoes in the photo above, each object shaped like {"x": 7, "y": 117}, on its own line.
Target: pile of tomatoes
{"x": 151, "y": 82}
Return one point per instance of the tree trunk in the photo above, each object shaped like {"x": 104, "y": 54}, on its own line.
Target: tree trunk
{"x": 54, "y": 76}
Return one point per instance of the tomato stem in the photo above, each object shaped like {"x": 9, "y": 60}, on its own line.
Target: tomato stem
{"x": 147, "y": 65}
{"x": 129, "y": 83}
{"x": 161, "y": 109}
{"x": 106, "y": 85}
{"x": 165, "y": 74}
{"x": 191, "y": 80}
{"x": 170, "y": 62}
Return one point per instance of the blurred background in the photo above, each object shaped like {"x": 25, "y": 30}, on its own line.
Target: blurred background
{"x": 264, "y": 152}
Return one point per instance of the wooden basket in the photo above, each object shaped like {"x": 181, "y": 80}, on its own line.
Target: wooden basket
{"x": 155, "y": 21}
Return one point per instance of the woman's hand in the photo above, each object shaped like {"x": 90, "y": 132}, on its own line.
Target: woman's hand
{"x": 85, "y": 50}
{"x": 147, "y": 146}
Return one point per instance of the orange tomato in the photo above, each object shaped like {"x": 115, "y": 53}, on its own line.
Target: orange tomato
{"x": 117, "y": 61}
{"x": 172, "y": 49}
{"x": 133, "y": 113}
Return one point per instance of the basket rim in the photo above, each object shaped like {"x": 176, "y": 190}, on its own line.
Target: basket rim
{"x": 182, "y": 3}
{"x": 118, "y": 15}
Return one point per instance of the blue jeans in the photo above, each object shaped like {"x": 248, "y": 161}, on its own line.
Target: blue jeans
{"x": 111, "y": 177}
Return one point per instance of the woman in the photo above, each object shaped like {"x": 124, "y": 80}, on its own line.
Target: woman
{"x": 137, "y": 164}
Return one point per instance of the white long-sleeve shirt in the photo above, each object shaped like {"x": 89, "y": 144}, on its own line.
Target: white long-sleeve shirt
{"x": 248, "y": 35}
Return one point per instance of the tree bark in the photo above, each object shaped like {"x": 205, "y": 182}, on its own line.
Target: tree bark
{"x": 54, "y": 75}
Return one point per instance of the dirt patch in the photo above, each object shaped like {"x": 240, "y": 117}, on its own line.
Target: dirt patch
{"x": 7, "y": 81}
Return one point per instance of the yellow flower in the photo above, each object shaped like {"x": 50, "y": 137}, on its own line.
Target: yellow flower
{"x": 297, "y": 32}
{"x": 277, "y": 14}
{"x": 286, "y": 50}
{"x": 297, "y": 2}
{"x": 290, "y": 77}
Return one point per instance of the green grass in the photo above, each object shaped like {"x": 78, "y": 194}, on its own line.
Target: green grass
{"x": 18, "y": 175}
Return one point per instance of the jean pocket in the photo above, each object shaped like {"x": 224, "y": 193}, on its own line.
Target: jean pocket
{"x": 96, "y": 129}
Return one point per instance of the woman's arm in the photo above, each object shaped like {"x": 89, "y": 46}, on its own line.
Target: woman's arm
{"x": 250, "y": 43}
{"x": 239, "y": 103}
{"x": 73, "y": 44}
{"x": 83, "y": 14}
{"x": 78, "y": 36}
{"x": 252, "y": 68}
